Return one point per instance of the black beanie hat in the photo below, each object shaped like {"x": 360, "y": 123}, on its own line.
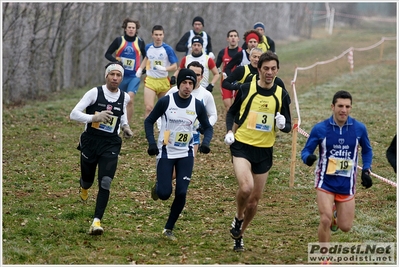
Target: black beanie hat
{"x": 186, "y": 74}
{"x": 200, "y": 19}
{"x": 197, "y": 39}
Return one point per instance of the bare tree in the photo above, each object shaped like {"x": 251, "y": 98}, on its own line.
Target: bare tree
{"x": 54, "y": 46}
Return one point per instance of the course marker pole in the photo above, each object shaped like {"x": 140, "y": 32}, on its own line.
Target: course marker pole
{"x": 293, "y": 152}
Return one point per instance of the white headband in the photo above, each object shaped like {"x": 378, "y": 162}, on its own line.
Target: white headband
{"x": 113, "y": 67}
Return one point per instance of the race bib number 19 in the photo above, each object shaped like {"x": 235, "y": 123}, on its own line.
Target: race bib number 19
{"x": 342, "y": 167}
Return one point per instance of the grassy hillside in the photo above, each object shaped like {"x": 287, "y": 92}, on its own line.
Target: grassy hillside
{"x": 44, "y": 221}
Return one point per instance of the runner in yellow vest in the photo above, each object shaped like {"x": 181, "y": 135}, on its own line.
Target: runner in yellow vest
{"x": 267, "y": 42}
{"x": 262, "y": 108}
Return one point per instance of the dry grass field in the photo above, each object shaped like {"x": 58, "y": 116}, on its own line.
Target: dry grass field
{"x": 44, "y": 221}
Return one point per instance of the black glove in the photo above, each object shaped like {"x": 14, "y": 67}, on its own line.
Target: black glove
{"x": 237, "y": 86}
{"x": 153, "y": 150}
{"x": 200, "y": 130}
{"x": 173, "y": 80}
{"x": 310, "y": 160}
{"x": 209, "y": 88}
{"x": 204, "y": 149}
{"x": 366, "y": 179}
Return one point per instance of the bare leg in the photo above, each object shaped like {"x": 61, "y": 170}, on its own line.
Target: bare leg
{"x": 242, "y": 170}
{"x": 254, "y": 198}
{"x": 130, "y": 107}
{"x": 325, "y": 203}
{"x": 227, "y": 104}
{"x": 345, "y": 214}
{"x": 149, "y": 98}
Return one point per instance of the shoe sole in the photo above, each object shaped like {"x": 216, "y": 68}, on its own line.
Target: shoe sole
{"x": 96, "y": 232}
{"x": 170, "y": 238}
{"x": 334, "y": 228}
{"x": 238, "y": 249}
{"x": 84, "y": 197}
{"x": 154, "y": 196}
{"x": 235, "y": 236}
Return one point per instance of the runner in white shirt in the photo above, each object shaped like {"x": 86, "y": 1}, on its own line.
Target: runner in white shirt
{"x": 160, "y": 59}
{"x": 174, "y": 147}
{"x": 204, "y": 96}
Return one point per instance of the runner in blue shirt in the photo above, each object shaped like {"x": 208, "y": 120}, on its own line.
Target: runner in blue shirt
{"x": 338, "y": 139}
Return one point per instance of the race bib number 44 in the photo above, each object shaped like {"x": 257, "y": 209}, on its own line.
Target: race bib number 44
{"x": 106, "y": 127}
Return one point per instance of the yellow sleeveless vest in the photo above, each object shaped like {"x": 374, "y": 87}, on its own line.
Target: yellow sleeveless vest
{"x": 258, "y": 128}
{"x": 246, "y": 73}
{"x": 265, "y": 45}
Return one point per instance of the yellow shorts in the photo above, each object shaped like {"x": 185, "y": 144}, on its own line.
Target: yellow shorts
{"x": 338, "y": 197}
{"x": 158, "y": 85}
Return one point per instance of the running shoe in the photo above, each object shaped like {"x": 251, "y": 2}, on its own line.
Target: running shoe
{"x": 236, "y": 228}
{"x": 168, "y": 234}
{"x": 239, "y": 245}
{"x": 84, "y": 194}
{"x": 96, "y": 229}
{"x": 334, "y": 226}
{"x": 154, "y": 195}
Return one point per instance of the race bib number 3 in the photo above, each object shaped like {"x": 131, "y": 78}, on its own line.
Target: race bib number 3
{"x": 260, "y": 121}
{"x": 341, "y": 167}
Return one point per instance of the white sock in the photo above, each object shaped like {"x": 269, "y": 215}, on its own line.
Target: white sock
{"x": 96, "y": 220}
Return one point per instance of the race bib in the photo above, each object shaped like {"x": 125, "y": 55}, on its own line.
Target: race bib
{"x": 150, "y": 65}
{"x": 260, "y": 121}
{"x": 106, "y": 127}
{"x": 128, "y": 63}
{"x": 341, "y": 167}
{"x": 166, "y": 135}
{"x": 181, "y": 139}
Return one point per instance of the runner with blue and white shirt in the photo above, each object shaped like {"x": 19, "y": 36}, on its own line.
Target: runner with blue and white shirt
{"x": 174, "y": 148}
{"x": 339, "y": 139}
{"x": 204, "y": 96}
{"x": 160, "y": 59}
